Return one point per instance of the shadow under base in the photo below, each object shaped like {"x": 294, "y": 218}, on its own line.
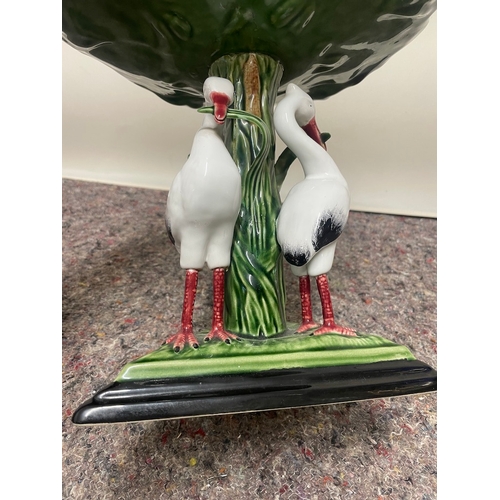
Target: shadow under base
{"x": 254, "y": 375}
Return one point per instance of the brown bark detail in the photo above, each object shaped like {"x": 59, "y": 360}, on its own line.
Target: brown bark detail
{"x": 251, "y": 82}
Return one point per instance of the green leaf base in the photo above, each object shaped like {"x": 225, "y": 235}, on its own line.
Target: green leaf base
{"x": 248, "y": 356}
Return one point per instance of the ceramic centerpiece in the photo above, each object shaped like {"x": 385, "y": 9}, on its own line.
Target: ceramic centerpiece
{"x": 254, "y": 69}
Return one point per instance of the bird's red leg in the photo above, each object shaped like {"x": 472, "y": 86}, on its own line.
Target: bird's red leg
{"x": 329, "y": 325}
{"x": 185, "y": 334}
{"x": 305, "y": 300}
{"x": 217, "y": 331}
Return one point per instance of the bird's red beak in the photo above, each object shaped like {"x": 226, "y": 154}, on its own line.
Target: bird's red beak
{"x": 221, "y": 102}
{"x": 312, "y": 130}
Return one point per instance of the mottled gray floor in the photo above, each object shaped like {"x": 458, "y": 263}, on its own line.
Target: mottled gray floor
{"x": 122, "y": 294}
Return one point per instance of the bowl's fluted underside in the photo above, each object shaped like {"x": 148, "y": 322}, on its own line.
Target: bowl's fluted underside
{"x": 168, "y": 46}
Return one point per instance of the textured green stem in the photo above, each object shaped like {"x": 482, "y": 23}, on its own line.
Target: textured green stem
{"x": 255, "y": 294}
{"x": 261, "y": 124}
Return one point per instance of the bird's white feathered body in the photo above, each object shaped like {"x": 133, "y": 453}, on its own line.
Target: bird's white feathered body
{"x": 202, "y": 208}
{"x": 204, "y": 202}
{"x": 311, "y": 219}
{"x": 315, "y": 211}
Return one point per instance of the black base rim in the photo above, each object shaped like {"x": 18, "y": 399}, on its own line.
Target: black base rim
{"x": 163, "y": 399}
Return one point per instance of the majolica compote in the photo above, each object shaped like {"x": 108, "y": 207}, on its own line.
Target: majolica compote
{"x": 171, "y": 47}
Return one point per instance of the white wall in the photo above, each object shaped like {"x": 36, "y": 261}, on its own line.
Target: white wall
{"x": 383, "y": 130}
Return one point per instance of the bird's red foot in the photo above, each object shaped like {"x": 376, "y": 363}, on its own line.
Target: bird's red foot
{"x": 180, "y": 339}
{"x": 220, "y": 334}
{"x": 307, "y": 325}
{"x": 331, "y": 327}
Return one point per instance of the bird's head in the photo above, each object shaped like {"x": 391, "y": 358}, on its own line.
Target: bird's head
{"x": 305, "y": 113}
{"x": 219, "y": 93}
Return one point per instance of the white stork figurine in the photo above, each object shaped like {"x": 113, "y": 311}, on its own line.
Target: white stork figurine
{"x": 202, "y": 208}
{"x": 315, "y": 211}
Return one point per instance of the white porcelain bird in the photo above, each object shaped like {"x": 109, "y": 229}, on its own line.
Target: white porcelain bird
{"x": 315, "y": 211}
{"x": 202, "y": 207}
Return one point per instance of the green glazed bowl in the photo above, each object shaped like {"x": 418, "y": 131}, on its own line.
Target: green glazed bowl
{"x": 168, "y": 46}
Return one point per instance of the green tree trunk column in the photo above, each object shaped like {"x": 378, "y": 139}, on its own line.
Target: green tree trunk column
{"x": 255, "y": 292}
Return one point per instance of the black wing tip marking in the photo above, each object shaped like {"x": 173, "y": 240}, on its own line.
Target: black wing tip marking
{"x": 329, "y": 228}
{"x": 298, "y": 259}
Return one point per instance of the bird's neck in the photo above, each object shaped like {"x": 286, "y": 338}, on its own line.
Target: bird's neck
{"x": 210, "y": 123}
{"x": 315, "y": 160}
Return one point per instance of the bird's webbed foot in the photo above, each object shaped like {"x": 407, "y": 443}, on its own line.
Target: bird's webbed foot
{"x": 332, "y": 327}
{"x": 180, "y": 339}
{"x": 218, "y": 333}
{"x": 306, "y": 326}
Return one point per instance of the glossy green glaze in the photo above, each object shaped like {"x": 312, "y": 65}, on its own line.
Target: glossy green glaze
{"x": 255, "y": 292}
{"x": 171, "y": 46}
{"x": 168, "y": 46}
{"x": 292, "y": 351}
